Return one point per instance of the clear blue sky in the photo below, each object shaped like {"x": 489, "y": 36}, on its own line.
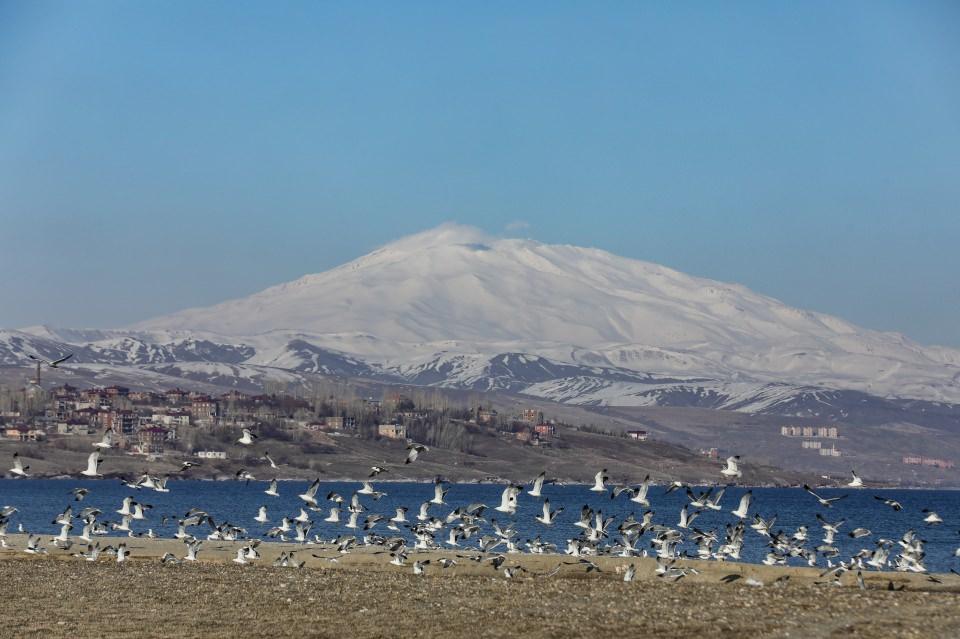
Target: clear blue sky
{"x": 156, "y": 156}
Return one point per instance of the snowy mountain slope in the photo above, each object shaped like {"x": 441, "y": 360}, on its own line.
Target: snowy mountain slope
{"x": 453, "y": 307}
{"x": 480, "y": 295}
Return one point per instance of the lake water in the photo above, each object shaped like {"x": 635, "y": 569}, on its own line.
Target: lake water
{"x": 40, "y": 500}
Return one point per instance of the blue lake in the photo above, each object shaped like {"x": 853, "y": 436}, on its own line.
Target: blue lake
{"x": 40, "y": 500}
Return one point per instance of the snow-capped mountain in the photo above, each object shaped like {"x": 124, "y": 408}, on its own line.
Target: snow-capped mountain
{"x": 455, "y": 307}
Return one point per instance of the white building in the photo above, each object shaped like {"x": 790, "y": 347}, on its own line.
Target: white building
{"x": 211, "y": 454}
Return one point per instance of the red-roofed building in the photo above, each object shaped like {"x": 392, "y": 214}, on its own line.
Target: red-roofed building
{"x": 152, "y": 440}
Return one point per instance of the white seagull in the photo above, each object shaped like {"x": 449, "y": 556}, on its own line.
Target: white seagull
{"x": 310, "y": 496}
{"x": 272, "y": 489}
{"x": 54, "y": 364}
{"x": 856, "y": 482}
{"x": 106, "y": 441}
{"x": 18, "y": 468}
{"x": 732, "y": 469}
{"x": 548, "y": 516}
{"x": 537, "y": 485}
{"x": 247, "y": 438}
{"x": 439, "y": 492}
{"x": 744, "y": 506}
{"x": 413, "y": 451}
{"x": 598, "y": 480}
{"x": 93, "y": 464}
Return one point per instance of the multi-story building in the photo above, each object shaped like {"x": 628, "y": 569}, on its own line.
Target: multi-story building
{"x": 338, "y": 422}
{"x": 531, "y": 416}
{"x": 486, "y": 415}
{"x": 204, "y": 409}
{"x": 152, "y": 440}
{"x": 545, "y": 430}
{"x": 392, "y": 431}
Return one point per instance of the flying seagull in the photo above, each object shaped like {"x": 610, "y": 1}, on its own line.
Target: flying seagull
{"x": 598, "y": 480}
{"x": 310, "y": 496}
{"x": 856, "y": 482}
{"x": 731, "y": 469}
{"x": 18, "y": 468}
{"x": 247, "y": 439}
{"x": 272, "y": 489}
{"x": 106, "y": 441}
{"x": 93, "y": 464}
{"x": 824, "y": 501}
{"x": 413, "y": 451}
{"x": 548, "y": 516}
{"x": 54, "y": 364}
{"x": 744, "y": 506}
{"x": 889, "y": 502}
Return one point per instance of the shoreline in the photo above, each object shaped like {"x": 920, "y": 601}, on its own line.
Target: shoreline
{"x": 362, "y": 595}
{"x": 377, "y": 559}
{"x": 500, "y": 482}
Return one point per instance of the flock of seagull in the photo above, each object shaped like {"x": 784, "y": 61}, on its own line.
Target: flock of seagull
{"x": 475, "y": 527}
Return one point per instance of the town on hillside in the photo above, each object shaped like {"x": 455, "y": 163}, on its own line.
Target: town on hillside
{"x": 190, "y": 423}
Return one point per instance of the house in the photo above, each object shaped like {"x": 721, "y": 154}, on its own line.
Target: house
{"x": 340, "y": 423}
{"x": 392, "y": 431}
{"x": 531, "y": 416}
{"x": 24, "y": 433}
{"x": 171, "y": 419}
{"x": 204, "y": 409}
{"x": 211, "y": 454}
{"x": 66, "y": 391}
{"x": 486, "y": 415}
{"x": 145, "y": 397}
{"x": 74, "y": 427}
{"x": 545, "y": 430}
{"x": 121, "y": 422}
{"x": 639, "y": 435}
{"x": 152, "y": 440}
{"x": 927, "y": 461}
{"x": 175, "y": 396}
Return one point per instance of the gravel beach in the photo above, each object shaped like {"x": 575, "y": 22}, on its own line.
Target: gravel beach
{"x": 361, "y": 594}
